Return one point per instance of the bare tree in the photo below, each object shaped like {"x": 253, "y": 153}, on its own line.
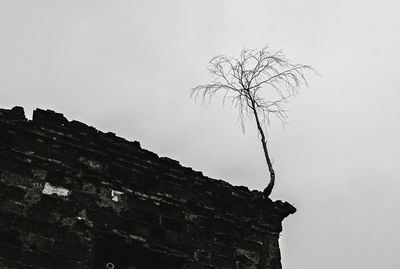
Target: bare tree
{"x": 258, "y": 84}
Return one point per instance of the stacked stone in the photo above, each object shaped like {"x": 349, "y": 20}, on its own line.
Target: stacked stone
{"x": 74, "y": 197}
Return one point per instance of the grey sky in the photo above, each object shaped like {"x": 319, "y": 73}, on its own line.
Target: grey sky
{"x": 127, "y": 67}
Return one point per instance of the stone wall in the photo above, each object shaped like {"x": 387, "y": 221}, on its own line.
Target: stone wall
{"x": 74, "y": 197}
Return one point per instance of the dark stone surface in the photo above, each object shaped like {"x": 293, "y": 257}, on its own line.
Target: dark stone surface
{"x": 74, "y": 197}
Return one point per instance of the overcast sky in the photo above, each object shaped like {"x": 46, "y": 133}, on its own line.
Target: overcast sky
{"x": 128, "y": 66}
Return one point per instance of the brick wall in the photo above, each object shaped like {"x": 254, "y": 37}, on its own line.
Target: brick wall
{"x": 74, "y": 197}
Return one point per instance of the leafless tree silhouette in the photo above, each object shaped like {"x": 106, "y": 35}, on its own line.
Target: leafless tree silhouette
{"x": 258, "y": 83}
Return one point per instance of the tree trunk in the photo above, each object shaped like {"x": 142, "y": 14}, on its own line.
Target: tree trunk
{"x": 267, "y": 191}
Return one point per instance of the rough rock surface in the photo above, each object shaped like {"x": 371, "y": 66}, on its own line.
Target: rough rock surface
{"x": 74, "y": 197}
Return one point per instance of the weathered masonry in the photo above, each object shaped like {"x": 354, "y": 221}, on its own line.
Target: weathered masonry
{"x": 74, "y": 197}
